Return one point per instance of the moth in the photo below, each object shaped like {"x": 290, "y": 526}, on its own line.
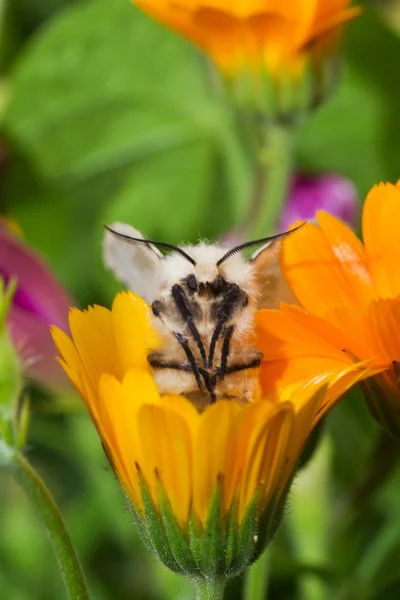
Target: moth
{"x": 203, "y": 302}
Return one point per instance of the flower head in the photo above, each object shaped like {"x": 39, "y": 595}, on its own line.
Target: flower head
{"x": 207, "y": 488}
{"x": 350, "y": 294}
{"x": 262, "y": 34}
{"x": 39, "y": 301}
{"x": 257, "y": 36}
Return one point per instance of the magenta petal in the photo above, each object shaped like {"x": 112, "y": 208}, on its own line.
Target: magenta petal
{"x": 38, "y": 291}
{"x": 35, "y": 346}
{"x": 331, "y": 193}
{"x": 40, "y": 301}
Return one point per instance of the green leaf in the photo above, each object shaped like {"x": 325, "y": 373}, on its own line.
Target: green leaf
{"x": 109, "y": 135}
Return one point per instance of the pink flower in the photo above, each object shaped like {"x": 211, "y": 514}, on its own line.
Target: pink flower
{"x": 331, "y": 193}
{"x": 39, "y": 301}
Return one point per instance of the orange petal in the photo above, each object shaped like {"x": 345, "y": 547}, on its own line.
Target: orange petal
{"x": 351, "y": 259}
{"x": 314, "y": 272}
{"x": 334, "y": 21}
{"x": 344, "y": 380}
{"x": 173, "y": 16}
{"x": 133, "y": 332}
{"x": 297, "y": 333}
{"x": 166, "y": 449}
{"x": 277, "y": 375}
{"x": 380, "y": 221}
{"x": 384, "y": 321}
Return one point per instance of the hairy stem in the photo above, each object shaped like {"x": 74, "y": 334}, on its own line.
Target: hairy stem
{"x": 51, "y": 518}
{"x": 208, "y": 589}
{"x": 271, "y": 181}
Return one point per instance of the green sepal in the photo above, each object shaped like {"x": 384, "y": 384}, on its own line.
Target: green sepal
{"x": 213, "y": 542}
{"x": 195, "y": 536}
{"x": 155, "y": 532}
{"x": 138, "y": 519}
{"x": 178, "y": 542}
{"x": 247, "y": 538}
{"x": 232, "y": 535}
{"x": 311, "y": 444}
{"x": 269, "y": 523}
{"x": 285, "y": 98}
{"x": 383, "y": 403}
{"x": 220, "y": 548}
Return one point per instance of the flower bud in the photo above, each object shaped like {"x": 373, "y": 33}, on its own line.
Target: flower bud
{"x": 38, "y": 302}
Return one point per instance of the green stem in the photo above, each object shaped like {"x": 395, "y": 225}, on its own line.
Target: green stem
{"x": 256, "y": 578}
{"x": 49, "y": 513}
{"x": 271, "y": 181}
{"x": 210, "y": 589}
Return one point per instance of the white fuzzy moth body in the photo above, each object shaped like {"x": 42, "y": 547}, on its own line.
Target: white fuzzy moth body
{"x": 203, "y": 300}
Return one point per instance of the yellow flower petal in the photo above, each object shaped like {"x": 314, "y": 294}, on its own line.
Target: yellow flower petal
{"x": 134, "y": 335}
{"x": 166, "y": 450}
{"x": 265, "y": 455}
{"x": 212, "y": 457}
{"x": 93, "y": 336}
{"x": 185, "y": 408}
{"x": 117, "y": 424}
{"x": 71, "y": 362}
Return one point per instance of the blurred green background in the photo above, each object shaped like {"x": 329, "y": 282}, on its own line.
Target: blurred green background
{"x": 106, "y": 116}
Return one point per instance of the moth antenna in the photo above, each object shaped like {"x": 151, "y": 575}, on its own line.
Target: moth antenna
{"x": 162, "y": 245}
{"x": 255, "y": 243}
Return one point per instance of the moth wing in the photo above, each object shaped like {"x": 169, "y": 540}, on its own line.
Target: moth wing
{"x": 135, "y": 265}
{"x": 274, "y": 287}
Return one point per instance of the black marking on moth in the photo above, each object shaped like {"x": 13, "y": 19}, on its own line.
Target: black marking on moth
{"x": 187, "y": 312}
{"x": 228, "y": 299}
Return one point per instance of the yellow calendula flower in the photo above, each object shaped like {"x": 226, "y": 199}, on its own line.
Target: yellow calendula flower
{"x": 350, "y": 297}
{"x": 207, "y": 488}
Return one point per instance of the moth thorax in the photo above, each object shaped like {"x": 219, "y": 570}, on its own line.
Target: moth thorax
{"x": 206, "y": 272}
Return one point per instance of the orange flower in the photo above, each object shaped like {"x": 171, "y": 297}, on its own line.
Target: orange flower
{"x": 172, "y": 461}
{"x": 276, "y": 35}
{"x": 350, "y": 294}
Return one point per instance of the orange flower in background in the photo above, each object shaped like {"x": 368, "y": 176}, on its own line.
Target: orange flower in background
{"x": 350, "y": 294}
{"x": 161, "y": 447}
{"x": 275, "y": 35}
